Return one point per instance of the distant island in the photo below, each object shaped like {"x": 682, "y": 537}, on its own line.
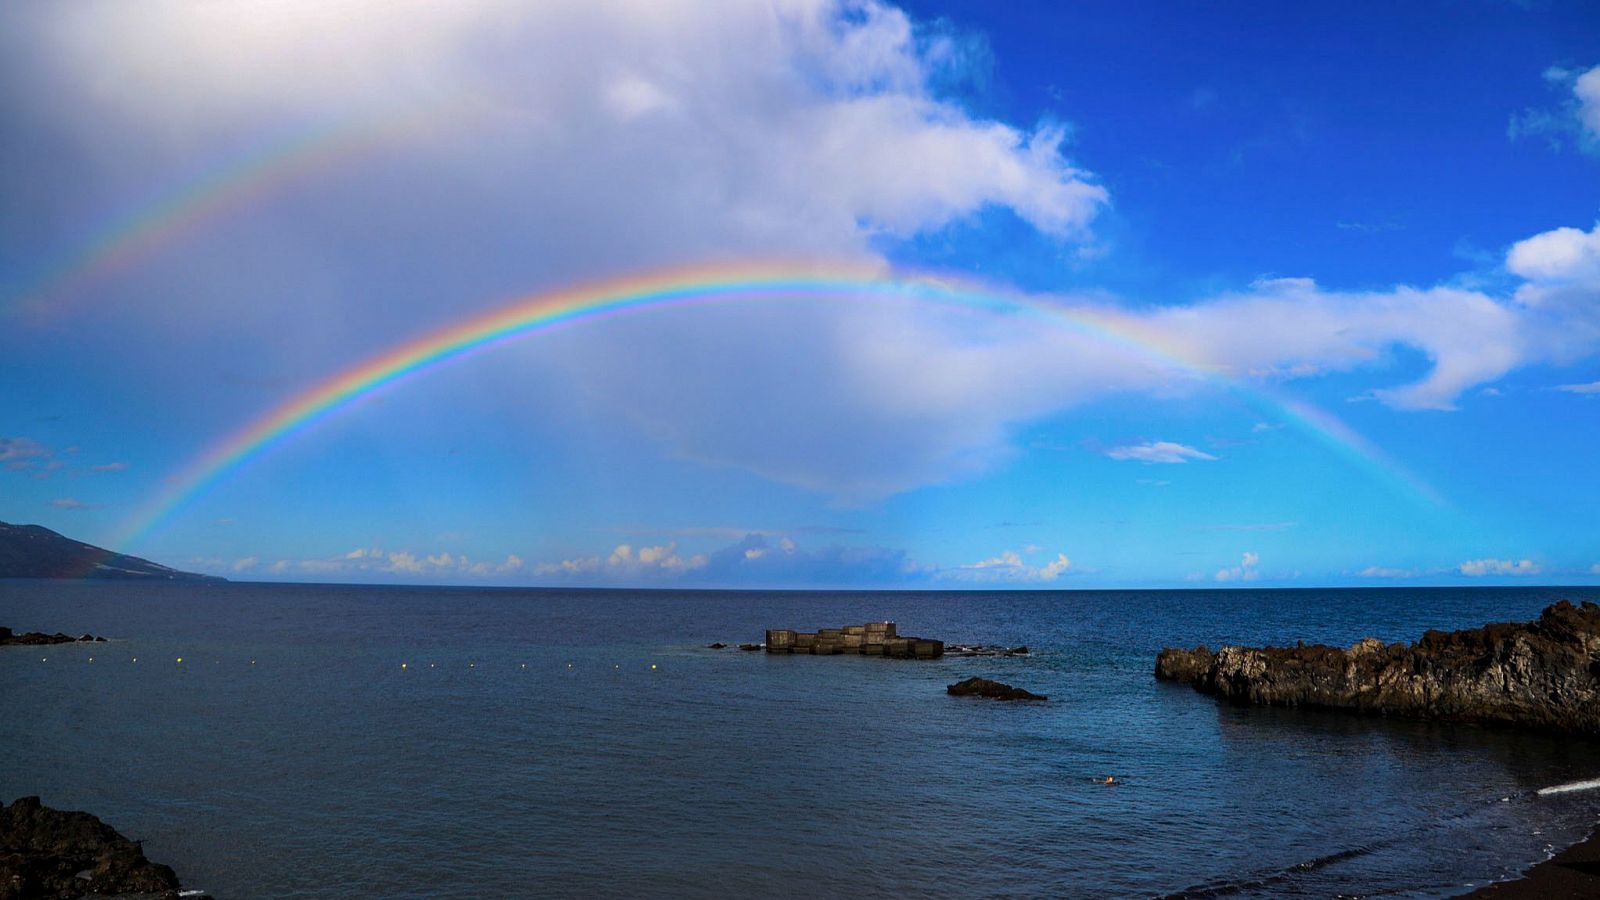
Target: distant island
{"x": 33, "y": 551}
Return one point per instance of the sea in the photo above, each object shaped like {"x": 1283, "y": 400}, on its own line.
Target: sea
{"x": 294, "y": 740}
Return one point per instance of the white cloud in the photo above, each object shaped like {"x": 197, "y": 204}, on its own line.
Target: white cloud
{"x": 1008, "y": 565}
{"x": 777, "y": 117}
{"x": 21, "y": 448}
{"x": 70, "y": 503}
{"x": 1387, "y": 572}
{"x": 245, "y": 563}
{"x": 1557, "y": 257}
{"x": 1477, "y": 568}
{"x": 364, "y": 561}
{"x": 1578, "y": 117}
{"x": 1244, "y": 571}
{"x": 1158, "y": 452}
{"x": 1592, "y": 387}
{"x": 1587, "y": 89}
{"x": 625, "y": 562}
{"x": 591, "y": 139}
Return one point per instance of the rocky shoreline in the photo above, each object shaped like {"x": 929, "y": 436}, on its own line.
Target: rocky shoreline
{"x": 1542, "y": 675}
{"x": 39, "y": 638}
{"x": 58, "y": 855}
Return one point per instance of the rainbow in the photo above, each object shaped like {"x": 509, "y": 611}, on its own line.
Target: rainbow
{"x": 679, "y": 287}
{"x": 129, "y": 241}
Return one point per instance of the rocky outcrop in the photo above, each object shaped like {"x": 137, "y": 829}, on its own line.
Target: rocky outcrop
{"x": 39, "y": 638}
{"x": 994, "y": 690}
{"x": 1542, "y": 675}
{"x": 48, "y": 853}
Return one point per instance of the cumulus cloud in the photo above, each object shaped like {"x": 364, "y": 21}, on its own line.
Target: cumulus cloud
{"x": 1477, "y": 568}
{"x": 581, "y": 139}
{"x": 1158, "y": 452}
{"x": 777, "y": 119}
{"x": 625, "y": 562}
{"x": 1010, "y": 566}
{"x": 401, "y": 564}
{"x": 1387, "y": 572}
{"x": 1244, "y": 571}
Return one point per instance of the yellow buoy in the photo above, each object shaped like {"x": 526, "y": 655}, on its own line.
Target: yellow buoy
{"x": 652, "y": 665}
{"x": 180, "y": 659}
{"x": 402, "y": 665}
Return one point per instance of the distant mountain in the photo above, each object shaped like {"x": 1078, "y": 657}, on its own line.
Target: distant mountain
{"x": 33, "y": 551}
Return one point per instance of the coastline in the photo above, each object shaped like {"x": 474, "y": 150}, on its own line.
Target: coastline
{"x": 1572, "y": 874}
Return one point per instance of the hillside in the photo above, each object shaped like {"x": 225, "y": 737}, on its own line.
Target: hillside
{"x": 33, "y": 551}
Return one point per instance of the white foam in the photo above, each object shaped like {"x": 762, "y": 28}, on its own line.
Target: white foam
{"x": 1589, "y": 785}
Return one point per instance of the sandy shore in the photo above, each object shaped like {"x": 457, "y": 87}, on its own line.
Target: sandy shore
{"x": 1571, "y": 874}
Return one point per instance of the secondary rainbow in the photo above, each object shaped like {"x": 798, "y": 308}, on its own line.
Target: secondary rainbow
{"x": 266, "y": 172}
{"x": 744, "y": 284}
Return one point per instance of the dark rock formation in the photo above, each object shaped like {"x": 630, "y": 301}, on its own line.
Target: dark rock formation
{"x": 983, "y": 687}
{"x": 33, "y": 551}
{"x": 39, "y": 638}
{"x": 48, "y": 853}
{"x": 1542, "y": 675}
{"x": 749, "y": 647}
{"x": 717, "y": 646}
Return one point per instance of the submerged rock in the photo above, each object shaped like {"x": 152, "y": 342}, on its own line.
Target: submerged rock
{"x": 48, "y": 853}
{"x": 983, "y": 650}
{"x": 1542, "y": 675}
{"x": 983, "y": 687}
{"x": 749, "y": 647}
{"x": 717, "y": 646}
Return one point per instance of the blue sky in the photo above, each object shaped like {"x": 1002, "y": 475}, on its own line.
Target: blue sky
{"x": 1385, "y": 217}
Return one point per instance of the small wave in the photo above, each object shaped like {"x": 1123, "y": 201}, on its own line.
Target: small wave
{"x": 1589, "y": 785}
{"x": 1262, "y": 881}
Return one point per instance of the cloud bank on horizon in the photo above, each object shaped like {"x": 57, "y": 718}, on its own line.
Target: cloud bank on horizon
{"x": 559, "y": 142}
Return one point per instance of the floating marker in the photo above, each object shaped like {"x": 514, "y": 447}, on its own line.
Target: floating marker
{"x": 252, "y": 662}
{"x": 472, "y": 665}
{"x": 136, "y": 659}
{"x": 180, "y": 659}
{"x": 44, "y": 659}
{"x": 652, "y": 665}
{"x": 524, "y": 665}
{"x": 402, "y": 665}
{"x": 91, "y": 659}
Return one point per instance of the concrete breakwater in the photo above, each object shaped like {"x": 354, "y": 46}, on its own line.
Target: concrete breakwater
{"x": 870, "y": 639}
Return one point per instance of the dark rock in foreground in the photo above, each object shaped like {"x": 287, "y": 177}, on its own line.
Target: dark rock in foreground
{"x": 1543, "y": 675}
{"x": 983, "y": 687}
{"x": 39, "y": 638}
{"x": 48, "y": 853}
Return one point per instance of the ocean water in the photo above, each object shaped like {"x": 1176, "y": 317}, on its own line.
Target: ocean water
{"x": 585, "y": 743}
